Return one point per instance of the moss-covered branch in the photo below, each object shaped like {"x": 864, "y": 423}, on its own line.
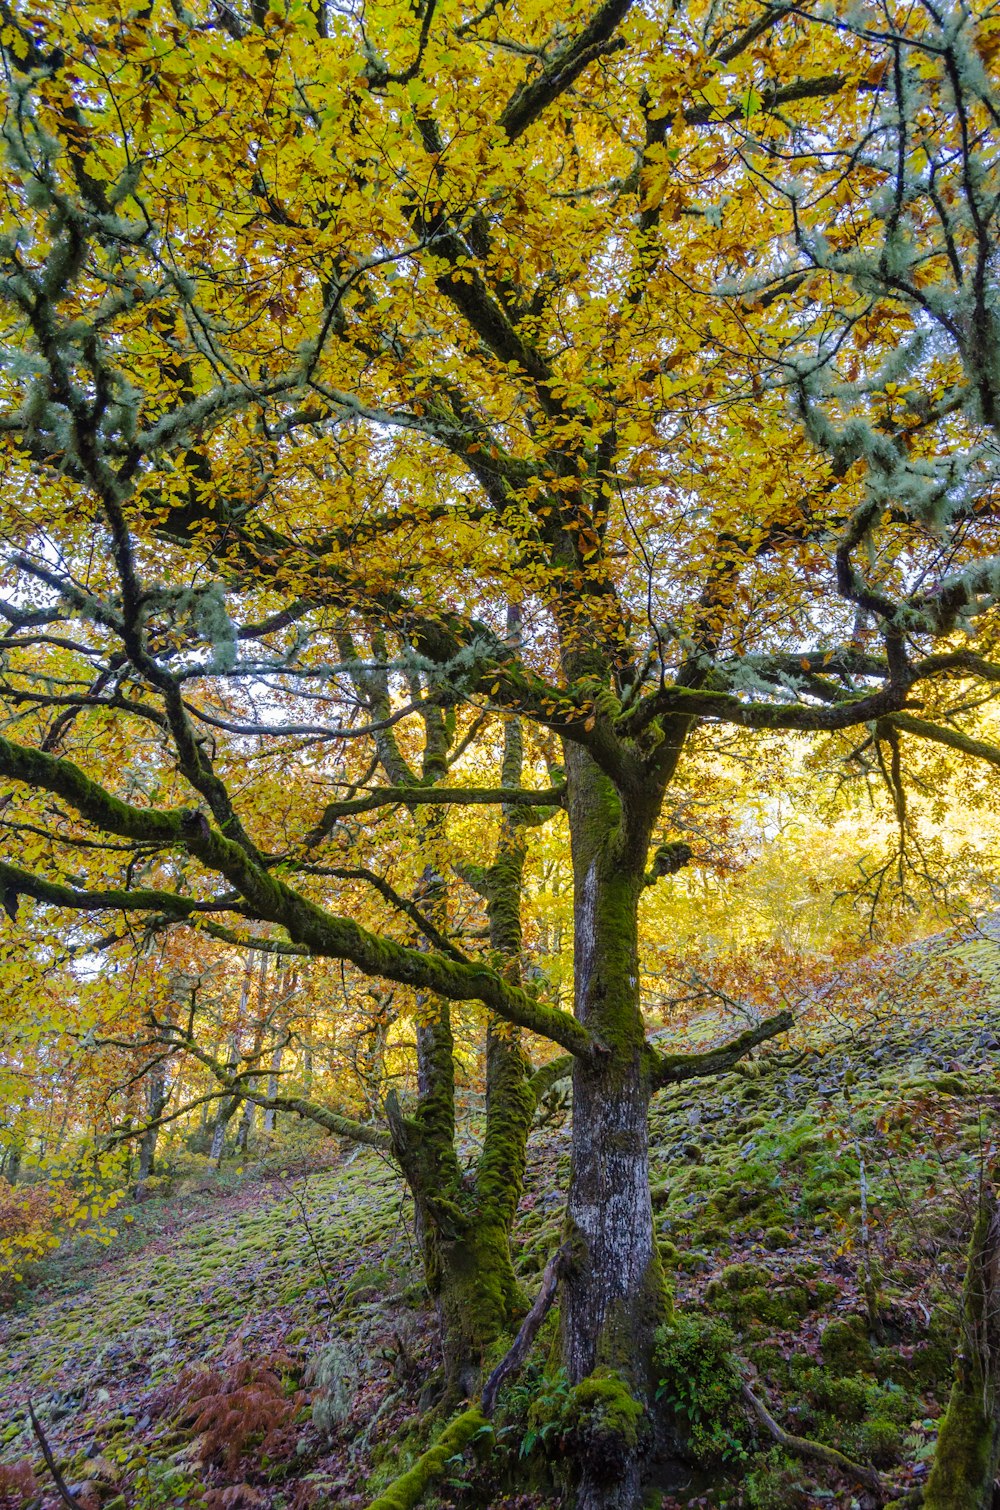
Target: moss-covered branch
{"x": 341, "y": 1127}
{"x": 817, "y": 1452}
{"x": 668, "y": 1069}
{"x": 273, "y": 900}
{"x": 548, "y": 1075}
{"x": 953, "y": 738}
{"x": 436, "y": 796}
{"x": 409, "y": 1489}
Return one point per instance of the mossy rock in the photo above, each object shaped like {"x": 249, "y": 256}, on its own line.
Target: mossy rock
{"x": 845, "y": 1346}
{"x": 932, "y": 1362}
{"x": 732, "y": 1201}
{"x": 777, "y": 1238}
{"x": 783, "y": 1306}
{"x": 950, "y": 1085}
{"x": 842, "y": 1396}
{"x": 738, "y": 1277}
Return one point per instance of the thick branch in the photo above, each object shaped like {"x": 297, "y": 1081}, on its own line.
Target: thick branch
{"x": 943, "y": 735}
{"x": 326, "y": 934}
{"x": 670, "y": 1069}
{"x": 816, "y": 1452}
{"x": 549, "y": 1075}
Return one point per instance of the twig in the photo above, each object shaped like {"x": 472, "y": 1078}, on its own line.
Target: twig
{"x": 50, "y": 1461}
{"x": 317, "y": 1251}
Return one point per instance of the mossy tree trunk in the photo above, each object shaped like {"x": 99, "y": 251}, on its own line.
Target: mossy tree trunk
{"x": 464, "y": 1220}
{"x": 968, "y": 1448}
{"x": 614, "y": 1296}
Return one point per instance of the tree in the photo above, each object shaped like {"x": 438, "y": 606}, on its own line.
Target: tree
{"x": 676, "y": 327}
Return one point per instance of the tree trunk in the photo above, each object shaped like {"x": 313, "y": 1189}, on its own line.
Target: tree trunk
{"x": 225, "y": 1114}
{"x": 272, "y": 1090}
{"x": 156, "y": 1098}
{"x": 968, "y": 1447}
{"x": 613, "y": 1296}
{"x": 245, "y": 1126}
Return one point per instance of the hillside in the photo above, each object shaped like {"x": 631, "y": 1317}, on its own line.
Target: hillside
{"x": 262, "y": 1338}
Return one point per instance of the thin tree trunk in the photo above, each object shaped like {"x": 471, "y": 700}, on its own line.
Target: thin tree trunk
{"x": 272, "y": 1090}
{"x": 229, "y": 1104}
{"x": 245, "y": 1126}
{"x": 156, "y": 1098}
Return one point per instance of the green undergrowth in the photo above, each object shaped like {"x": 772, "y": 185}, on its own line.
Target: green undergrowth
{"x": 320, "y": 1323}
{"x": 251, "y": 1278}
{"x": 757, "y": 1190}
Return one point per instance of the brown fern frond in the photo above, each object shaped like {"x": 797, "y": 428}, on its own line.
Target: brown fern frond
{"x": 231, "y": 1411}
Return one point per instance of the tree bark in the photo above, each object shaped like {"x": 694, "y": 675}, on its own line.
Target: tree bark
{"x": 245, "y": 1126}
{"x": 225, "y": 1114}
{"x": 613, "y": 1295}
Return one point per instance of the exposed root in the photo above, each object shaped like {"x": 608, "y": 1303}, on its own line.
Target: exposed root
{"x": 409, "y": 1489}
{"x": 805, "y": 1447}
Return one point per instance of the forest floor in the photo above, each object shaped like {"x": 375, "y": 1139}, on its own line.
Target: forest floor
{"x": 262, "y": 1338}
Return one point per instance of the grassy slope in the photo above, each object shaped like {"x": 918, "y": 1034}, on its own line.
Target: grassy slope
{"x": 757, "y": 1191}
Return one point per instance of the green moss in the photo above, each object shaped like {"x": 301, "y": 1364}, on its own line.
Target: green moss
{"x": 931, "y": 1362}
{"x": 965, "y": 1456}
{"x": 738, "y": 1277}
{"x": 844, "y": 1398}
{"x": 602, "y": 1404}
{"x": 776, "y": 1238}
{"x": 845, "y": 1345}
{"x": 409, "y": 1489}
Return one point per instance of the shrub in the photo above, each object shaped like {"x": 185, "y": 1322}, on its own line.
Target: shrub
{"x": 845, "y": 1346}
{"x": 335, "y": 1378}
{"x": 773, "y": 1484}
{"x": 700, "y": 1382}
{"x": 880, "y": 1440}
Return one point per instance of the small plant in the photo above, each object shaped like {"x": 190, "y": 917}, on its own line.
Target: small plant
{"x": 18, "y": 1483}
{"x": 335, "y": 1379}
{"x": 540, "y": 1400}
{"x": 700, "y": 1382}
{"x": 163, "y": 1485}
{"x": 234, "y": 1410}
{"x": 774, "y": 1483}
